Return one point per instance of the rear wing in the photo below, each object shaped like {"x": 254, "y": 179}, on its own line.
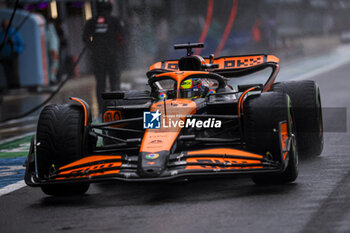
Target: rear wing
{"x": 230, "y": 66}
{"x": 224, "y": 63}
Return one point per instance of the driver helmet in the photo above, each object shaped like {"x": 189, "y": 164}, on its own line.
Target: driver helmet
{"x": 192, "y": 88}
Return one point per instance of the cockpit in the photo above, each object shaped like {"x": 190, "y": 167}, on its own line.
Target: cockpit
{"x": 190, "y": 87}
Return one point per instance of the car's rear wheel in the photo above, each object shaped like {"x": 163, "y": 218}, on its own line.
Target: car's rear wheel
{"x": 262, "y": 117}
{"x": 306, "y": 99}
{"x": 59, "y": 142}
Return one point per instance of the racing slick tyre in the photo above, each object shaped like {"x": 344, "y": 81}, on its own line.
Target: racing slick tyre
{"x": 125, "y": 100}
{"x": 59, "y": 142}
{"x": 306, "y": 101}
{"x": 262, "y": 117}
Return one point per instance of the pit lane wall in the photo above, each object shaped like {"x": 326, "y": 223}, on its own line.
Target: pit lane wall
{"x": 287, "y": 28}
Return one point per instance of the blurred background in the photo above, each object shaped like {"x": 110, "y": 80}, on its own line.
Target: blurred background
{"x": 151, "y": 27}
{"x": 52, "y": 38}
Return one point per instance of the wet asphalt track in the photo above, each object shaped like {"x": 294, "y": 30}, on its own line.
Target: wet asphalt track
{"x": 318, "y": 202}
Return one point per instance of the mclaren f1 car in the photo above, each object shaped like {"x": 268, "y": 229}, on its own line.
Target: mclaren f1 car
{"x": 197, "y": 120}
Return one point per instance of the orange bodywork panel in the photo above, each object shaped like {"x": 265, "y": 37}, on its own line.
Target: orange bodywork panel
{"x": 223, "y": 152}
{"x": 91, "y": 159}
{"x": 220, "y": 161}
{"x": 162, "y": 139}
{"x": 168, "y": 65}
{"x": 113, "y": 115}
{"x": 85, "y": 110}
{"x": 272, "y": 58}
{"x": 237, "y": 62}
{"x": 240, "y": 101}
{"x": 284, "y": 138}
{"x": 90, "y": 168}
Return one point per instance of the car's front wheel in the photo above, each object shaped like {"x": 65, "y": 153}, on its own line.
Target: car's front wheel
{"x": 59, "y": 141}
{"x": 263, "y": 116}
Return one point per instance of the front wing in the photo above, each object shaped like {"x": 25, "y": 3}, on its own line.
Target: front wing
{"x": 211, "y": 162}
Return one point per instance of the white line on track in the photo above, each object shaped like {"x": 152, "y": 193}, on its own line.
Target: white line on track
{"x": 12, "y": 187}
{"x": 16, "y": 138}
{"x": 17, "y": 128}
{"x": 20, "y": 184}
{"x": 322, "y": 70}
{"x": 32, "y": 118}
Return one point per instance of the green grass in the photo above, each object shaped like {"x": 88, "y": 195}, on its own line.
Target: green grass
{"x": 20, "y": 147}
{"x": 15, "y": 148}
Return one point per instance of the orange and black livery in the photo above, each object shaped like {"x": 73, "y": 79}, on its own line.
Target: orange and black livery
{"x": 194, "y": 121}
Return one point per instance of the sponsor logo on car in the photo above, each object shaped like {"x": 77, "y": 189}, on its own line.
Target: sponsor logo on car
{"x": 152, "y": 156}
{"x": 112, "y": 116}
{"x": 156, "y": 142}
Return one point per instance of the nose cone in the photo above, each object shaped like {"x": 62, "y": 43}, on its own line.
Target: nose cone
{"x": 152, "y": 164}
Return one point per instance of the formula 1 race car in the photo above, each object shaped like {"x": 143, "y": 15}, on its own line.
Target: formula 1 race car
{"x": 197, "y": 120}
